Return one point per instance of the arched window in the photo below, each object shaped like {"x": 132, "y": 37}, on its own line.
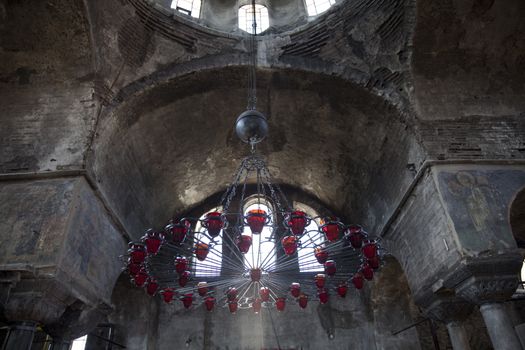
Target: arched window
{"x": 246, "y": 18}
{"x": 315, "y": 7}
{"x": 309, "y": 241}
{"x": 188, "y": 7}
{"x": 211, "y": 267}
{"x": 262, "y": 251}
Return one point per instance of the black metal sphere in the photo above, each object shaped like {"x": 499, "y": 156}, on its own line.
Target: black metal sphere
{"x": 251, "y": 126}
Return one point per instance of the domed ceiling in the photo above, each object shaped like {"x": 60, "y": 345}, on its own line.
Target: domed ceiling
{"x": 224, "y": 15}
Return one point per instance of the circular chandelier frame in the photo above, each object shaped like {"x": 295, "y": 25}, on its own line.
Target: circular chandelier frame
{"x": 176, "y": 262}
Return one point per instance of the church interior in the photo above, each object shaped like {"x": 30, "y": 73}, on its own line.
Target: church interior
{"x": 172, "y": 172}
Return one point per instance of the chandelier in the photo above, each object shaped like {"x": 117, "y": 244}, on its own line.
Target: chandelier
{"x": 267, "y": 257}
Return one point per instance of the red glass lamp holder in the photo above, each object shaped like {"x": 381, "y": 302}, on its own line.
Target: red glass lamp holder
{"x": 214, "y": 222}
{"x": 256, "y": 219}
{"x": 297, "y": 221}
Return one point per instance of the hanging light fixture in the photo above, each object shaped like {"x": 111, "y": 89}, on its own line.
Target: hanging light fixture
{"x": 161, "y": 262}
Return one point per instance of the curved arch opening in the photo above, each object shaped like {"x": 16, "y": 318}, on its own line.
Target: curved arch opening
{"x": 174, "y": 150}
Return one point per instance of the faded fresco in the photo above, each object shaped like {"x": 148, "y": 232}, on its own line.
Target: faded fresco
{"x": 478, "y": 202}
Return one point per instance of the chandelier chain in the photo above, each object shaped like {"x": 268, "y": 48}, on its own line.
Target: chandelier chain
{"x": 252, "y": 98}
{"x": 230, "y": 192}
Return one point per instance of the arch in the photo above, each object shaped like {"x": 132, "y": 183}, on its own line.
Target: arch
{"x": 211, "y": 64}
{"x": 391, "y": 298}
{"x": 176, "y": 144}
{"x": 517, "y": 218}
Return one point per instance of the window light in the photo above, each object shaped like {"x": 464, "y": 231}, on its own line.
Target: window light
{"x": 310, "y": 240}
{"x": 188, "y": 7}
{"x": 315, "y": 7}
{"x": 246, "y": 18}
{"x": 79, "y": 343}
{"x": 210, "y": 267}
{"x": 266, "y": 252}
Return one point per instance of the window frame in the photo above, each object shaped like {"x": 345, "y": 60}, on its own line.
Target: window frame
{"x": 268, "y": 203}
{"x": 220, "y": 242}
{"x": 263, "y": 21}
{"x": 194, "y": 11}
{"x": 316, "y": 219}
{"x": 312, "y": 5}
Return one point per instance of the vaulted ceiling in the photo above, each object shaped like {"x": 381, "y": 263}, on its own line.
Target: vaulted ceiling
{"x": 355, "y": 99}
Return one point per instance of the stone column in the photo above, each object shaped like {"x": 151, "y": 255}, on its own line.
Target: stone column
{"x": 452, "y": 311}
{"x": 489, "y": 292}
{"x": 20, "y": 336}
{"x": 458, "y": 336}
{"x": 500, "y": 327}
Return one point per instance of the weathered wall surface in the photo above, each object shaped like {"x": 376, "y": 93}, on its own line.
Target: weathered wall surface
{"x": 92, "y": 246}
{"x": 394, "y": 310}
{"x": 35, "y": 219}
{"x": 46, "y": 96}
{"x": 221, "y": 15}
{"x": 135, "y": 318}
{"x": 468, "y": 59}
{"x": 478, "y": 200}
{"x": 474, "y": 137}
{"x": 455, "y": 227}
{"x": 469, "y": 78}
{"x": 422, "y": 239}
{"x": 60, "y": 251}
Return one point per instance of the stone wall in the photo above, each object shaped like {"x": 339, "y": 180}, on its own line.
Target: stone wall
{"x": 462, "y": 213}
{"x": 468, "y": 59}
{"x": 47, "y": 107}
{"x": 59, "y": 254}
